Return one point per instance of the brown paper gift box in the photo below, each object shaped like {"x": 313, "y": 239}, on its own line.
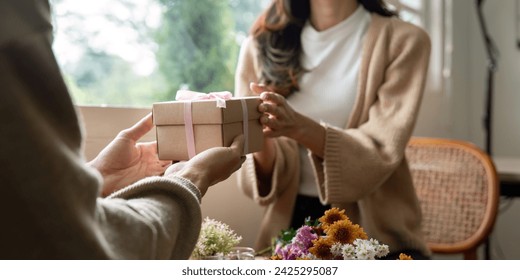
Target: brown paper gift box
{"x": 212, "y": 126}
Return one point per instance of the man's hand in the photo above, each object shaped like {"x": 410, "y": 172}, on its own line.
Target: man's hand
{"x": 210, "y": 166}
{"x": 124, "y": 161}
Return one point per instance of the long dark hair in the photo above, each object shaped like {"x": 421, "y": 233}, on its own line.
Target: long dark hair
{"x": 277, "y": 31}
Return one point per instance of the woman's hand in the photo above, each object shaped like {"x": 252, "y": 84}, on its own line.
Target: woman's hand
{"x": 210, "y": 166}
{"x": 124, "y": 161}
{"x": 280, "y": 119}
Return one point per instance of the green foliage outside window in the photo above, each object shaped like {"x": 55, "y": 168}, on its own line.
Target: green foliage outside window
{"x": 195, "y": 45}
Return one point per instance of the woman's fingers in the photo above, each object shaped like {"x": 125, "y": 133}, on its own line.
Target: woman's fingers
{"x": 270, "y": 121}
{"x": 272, "y": 97}
{"x": 269, "y": 108}
{"x": 257, "y": 88}
{"x": 278, "y": 118}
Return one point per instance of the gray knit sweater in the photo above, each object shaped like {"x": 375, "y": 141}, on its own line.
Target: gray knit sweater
{"x": 49, "y": 200}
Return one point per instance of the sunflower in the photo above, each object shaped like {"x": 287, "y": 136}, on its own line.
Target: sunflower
{"x": 321, "y": 248}
{"x": 331, "y": 216}
{"x": 405, "y": 257}
{"x": 318, "y": 230}
{"x": 345, "y": 232}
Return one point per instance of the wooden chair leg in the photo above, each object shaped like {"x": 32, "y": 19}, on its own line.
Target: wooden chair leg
{"x": 471, "y": 254}
{"x": 487, "y": 248}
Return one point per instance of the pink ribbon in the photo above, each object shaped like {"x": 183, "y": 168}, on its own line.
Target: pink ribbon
{"x": 220, "y": 98}
{"x": 245, "y": 125}
{"x": 188, "y": 129}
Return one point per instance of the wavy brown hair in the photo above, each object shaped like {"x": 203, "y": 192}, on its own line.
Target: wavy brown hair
{"x": 277, "y": 31}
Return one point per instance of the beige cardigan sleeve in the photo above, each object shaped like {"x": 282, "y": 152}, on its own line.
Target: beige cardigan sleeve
{"x": 286, "y": 168}
{"x": 50, "y": 199}
{"x": 359, "y": 159}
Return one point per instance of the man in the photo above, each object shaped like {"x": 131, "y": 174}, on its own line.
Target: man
{"x": 50, "y": 197}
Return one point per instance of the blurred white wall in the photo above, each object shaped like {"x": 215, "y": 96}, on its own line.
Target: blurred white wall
{"x": 459, "y": 112}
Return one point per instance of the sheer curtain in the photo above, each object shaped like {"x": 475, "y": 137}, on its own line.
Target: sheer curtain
{"x": 436, "y": 115}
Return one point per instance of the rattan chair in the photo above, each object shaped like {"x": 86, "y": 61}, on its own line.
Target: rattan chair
{"x": 457, "y": 186}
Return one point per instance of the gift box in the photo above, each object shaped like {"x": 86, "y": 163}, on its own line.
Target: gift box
{"x": 188, "y": 127}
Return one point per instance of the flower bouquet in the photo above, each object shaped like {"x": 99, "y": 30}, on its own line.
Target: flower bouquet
{"x": 331, "y": 237}
{"x": 215, "y": 241}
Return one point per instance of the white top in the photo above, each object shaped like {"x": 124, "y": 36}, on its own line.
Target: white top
{"x": 328, "y": 90}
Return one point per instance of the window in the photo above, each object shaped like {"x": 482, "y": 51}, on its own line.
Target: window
{"x": 410, "y": 10}
{"x": 435, "y": 18}
{"x": 133, "y": 53}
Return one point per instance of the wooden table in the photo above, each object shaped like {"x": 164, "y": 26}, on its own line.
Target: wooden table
{"x": 508, "y": 169}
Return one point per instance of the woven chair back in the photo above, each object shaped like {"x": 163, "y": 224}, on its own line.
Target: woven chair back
{"x": 457, "y": 187}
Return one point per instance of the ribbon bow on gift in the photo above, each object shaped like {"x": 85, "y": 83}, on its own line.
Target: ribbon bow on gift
{"x": 220, "y": 98}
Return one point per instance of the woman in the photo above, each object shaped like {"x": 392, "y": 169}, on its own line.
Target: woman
{"x": 342, "y": 84}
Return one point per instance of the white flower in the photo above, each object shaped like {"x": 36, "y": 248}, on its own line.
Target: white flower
{"x": 365, "y": 250}
{"x": 309, "y": 256}
{"x": 381, "y": 249}
{"x": 336, "y": 249}
{"x": 348, "y": 251}
{"x": 215, "y": 238}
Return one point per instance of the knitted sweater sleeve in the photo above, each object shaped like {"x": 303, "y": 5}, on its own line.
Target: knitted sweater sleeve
{"x": 359, "y": 159}
{"x": 164, "y": 211}
{"x": 51, "y": 207}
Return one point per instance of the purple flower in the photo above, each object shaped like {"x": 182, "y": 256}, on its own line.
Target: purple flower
{"x": 290, "y": 252}
{"x": 278, "y": 249}
{"x": 299, "y": 246}
{"x": 303, "y": 239}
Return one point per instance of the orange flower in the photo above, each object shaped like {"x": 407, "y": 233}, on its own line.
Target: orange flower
{"x": 321, "y": 248}
{"x": 331, "y": 216}
{"x": 405, "y": 257}
{"x": 345, "y": 232}
{"x": 318, "y": 230}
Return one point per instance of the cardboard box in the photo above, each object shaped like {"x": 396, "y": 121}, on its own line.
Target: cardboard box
{"x": 212, "y": 126}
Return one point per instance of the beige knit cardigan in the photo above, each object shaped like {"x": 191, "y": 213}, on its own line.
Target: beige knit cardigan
{"x": 364, "y": 169}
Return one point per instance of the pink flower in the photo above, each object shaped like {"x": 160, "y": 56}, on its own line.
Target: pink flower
{"x": 303, "y": 239}
{"x": 299, "y": 246}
